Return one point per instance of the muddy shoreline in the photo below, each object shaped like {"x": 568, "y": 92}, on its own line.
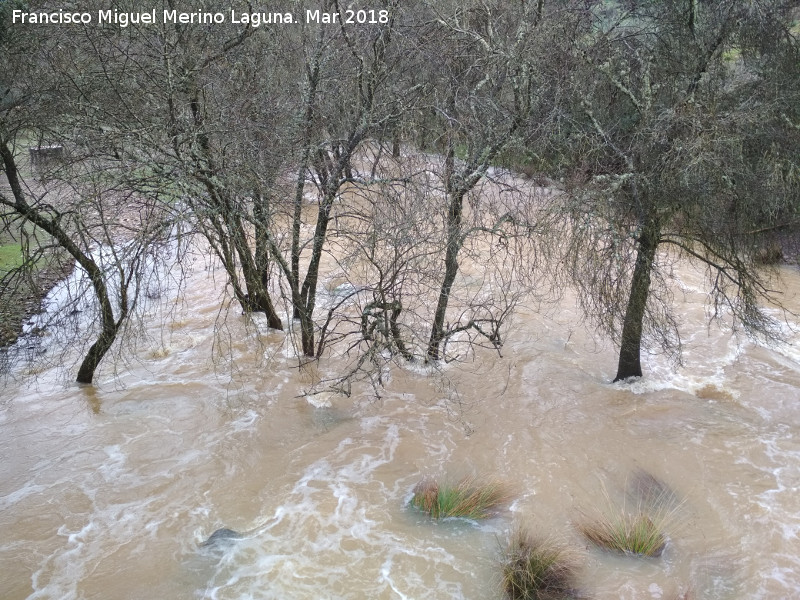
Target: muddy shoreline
{"x": 21, "y": 305}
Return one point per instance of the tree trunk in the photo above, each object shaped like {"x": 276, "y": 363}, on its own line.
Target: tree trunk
{"x": 110, "y": 327}
{"x": 631, "y": 343}
{"x": 397, "y": 308}
{"x": 308, "y": 293}
{"x": 454, "y": 215}
{"x": 396, "y": 141}
{"x": 260, "y": 301}
{"x": 261, "y": 258}
{"x": 307, "y": 132}
{"x": 95, "y": 355}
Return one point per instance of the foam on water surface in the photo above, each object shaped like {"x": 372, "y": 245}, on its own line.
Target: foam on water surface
{"x": 109, "y": 493}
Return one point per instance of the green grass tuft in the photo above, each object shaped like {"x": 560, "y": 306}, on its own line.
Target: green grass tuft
{"x": 639, "y": 531}
{"x": 630, "y": 534}
{"x": 467, "y": 498}
{"x": 537, "y": 570}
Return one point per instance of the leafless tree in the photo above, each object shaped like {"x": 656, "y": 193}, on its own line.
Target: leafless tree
{"x": 70, "y": 203}
{"x": 684, "y": 121}
{"x": 489, "y": 84}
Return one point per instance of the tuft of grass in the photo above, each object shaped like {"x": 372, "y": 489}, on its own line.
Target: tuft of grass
{"x": 640, "y": 531}
{"x": 534, "y": 569}
{"x": 638, "y": 534}
{"x": 467, "y": 498}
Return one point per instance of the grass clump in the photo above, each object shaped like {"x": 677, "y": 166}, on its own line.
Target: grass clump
{"x": 467, "y": 498}
{"x": 537, "y": 570}
{"x": 640, "y": 531}
{"x": 628, "y": 534}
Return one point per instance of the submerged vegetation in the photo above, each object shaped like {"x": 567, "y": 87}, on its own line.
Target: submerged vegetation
{"x": 536, "y": 569}
{"x": 641, "y": 530}
{"x": 468, "y": 498}
{"x": 639, "y": 534}
{"x": 645, "y": 489}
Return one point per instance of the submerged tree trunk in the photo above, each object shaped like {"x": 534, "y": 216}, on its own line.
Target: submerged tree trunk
{"x": 96, "y": 353}
{"x": 454, "y": 242}
{"x": 631, "y": 343}
{"x": 231, "y": 230}
{"x": 261, "y": 218}
{"x": 308, "y": 292}
{"x": 110, "y": 326}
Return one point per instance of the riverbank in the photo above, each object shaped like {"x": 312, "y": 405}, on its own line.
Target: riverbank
{"x": 20, "y": 304}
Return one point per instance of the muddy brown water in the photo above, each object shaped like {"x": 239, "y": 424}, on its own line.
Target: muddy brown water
{"x": 108, "y": 492}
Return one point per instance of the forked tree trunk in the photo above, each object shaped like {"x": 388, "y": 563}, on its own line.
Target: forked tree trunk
{"x": 261, "y": 261}
{"x": 630, "y": 364}
{"x": 260, "y": 301}
{"x": 308, "y": 292}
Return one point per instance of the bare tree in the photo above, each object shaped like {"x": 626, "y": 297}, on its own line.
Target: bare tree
{"x": 412, "y": 222}
{"x": 486, "y": 87}
{"x": 38, "y": 105}
{"x": 344, "y": 101}
{"x": 684, "y": 118}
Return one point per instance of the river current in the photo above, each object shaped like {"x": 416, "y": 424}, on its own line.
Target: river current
{"x": 107, "y": 492}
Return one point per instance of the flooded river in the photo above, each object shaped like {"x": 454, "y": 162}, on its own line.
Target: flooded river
{"x": 107, "y": 492}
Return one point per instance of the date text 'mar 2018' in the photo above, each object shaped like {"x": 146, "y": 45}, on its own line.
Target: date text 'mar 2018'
{"x": 348, "y": 17}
